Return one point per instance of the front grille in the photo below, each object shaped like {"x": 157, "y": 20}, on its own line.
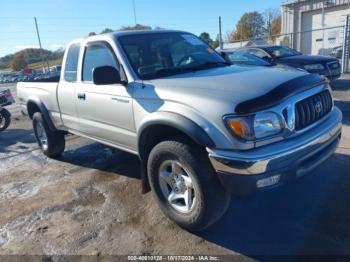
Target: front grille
{"x": 312, "y": 109}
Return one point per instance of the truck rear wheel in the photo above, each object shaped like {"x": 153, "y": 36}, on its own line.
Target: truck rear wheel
{"x": 5, "y": 119}
{"x": 185, "y": 185}
{"x": 52, "y": 143}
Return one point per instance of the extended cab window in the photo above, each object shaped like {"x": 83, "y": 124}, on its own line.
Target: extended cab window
{"x": 96, "y": 55}
{"x": 70, "y": 69}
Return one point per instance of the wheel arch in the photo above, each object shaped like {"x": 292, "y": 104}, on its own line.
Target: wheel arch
{"x": 35, "y": 105}
{"x": 164, "y": 126}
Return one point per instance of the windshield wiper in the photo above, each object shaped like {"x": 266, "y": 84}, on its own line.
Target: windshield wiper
{"x": 214, "y": 63}
{"x": 177, "y": 70}
{"x": 168, "y": 72}
{"x": 193, "y": 68}
{"x": 174, "y": 70}
{"x": 207, "y": 65}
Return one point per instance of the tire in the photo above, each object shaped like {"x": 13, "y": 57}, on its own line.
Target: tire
{"x": 210, "y": 200}
{"x": 5, "y": 119}
{"x": 52, "y": 143}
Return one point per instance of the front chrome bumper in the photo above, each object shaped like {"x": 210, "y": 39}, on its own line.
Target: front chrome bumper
{"x": 292, "y": 157}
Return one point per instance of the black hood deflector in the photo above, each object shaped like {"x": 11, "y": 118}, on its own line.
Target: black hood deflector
{"x": 280, "y": 93}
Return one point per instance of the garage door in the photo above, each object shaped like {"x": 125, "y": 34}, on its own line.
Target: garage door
{"x": 322, "y": 41}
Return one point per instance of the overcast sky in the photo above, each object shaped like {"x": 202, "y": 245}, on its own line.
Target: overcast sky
{"x": 63, "y": 20}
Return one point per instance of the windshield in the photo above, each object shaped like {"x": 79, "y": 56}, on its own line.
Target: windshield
{"x": 281, "y": 51}
{"x": 243, "y": 58}
{"x": 162, "y": 54}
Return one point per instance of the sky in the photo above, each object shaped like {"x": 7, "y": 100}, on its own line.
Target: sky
{"x": 61, "y": 21}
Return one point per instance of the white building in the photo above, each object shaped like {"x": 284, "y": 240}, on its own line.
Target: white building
{"x": 241, "y": 44}
{"x": 314, "y": 26}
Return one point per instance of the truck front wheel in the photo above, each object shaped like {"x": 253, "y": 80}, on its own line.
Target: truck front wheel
{"x": 185, "y": 185}
{"x": 52, "y": 143}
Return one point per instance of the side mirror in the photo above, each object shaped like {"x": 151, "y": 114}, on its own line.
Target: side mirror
{"x": 106, "y": 75}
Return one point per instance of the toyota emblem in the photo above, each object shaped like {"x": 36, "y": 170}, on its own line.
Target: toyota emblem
{"x": 318, "y": 107}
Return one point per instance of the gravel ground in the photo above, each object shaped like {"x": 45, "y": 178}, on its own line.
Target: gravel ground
{"x": 89, "y": 203}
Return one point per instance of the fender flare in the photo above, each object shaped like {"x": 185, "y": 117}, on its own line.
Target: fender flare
{"x": 43, "y": 110}
{"x": 179, "y": 122}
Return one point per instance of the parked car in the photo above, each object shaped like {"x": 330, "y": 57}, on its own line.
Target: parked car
{"x": 202, "y": 129}
{"x": 242, "y": 58}
{"x": 239, "y": 57}
{"x": 337, "y": 52}
{"x": 322, "y": 65}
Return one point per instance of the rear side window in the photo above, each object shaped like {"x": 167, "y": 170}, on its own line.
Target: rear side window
{"x": 97, "y": 55}
{"x": 71, "y": 66}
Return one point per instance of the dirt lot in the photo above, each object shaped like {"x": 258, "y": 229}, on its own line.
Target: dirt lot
{"x": 89, "y": 202}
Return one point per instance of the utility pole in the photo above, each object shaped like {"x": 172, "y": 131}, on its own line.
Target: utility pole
{"x": 37, "y": 32}
{"x": 134, "y": 7}
{"x": 323, "y": 24}
{"x": 220, "y": 34}
{"x": 346, "y": 46}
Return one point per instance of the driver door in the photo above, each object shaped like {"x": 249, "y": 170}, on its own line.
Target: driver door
{"x": 105, "y": 111}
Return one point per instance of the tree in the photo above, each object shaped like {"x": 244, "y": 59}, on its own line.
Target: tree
{"x": 216, "y": 42}
{"x": 18, "y": 62}
{"x": 106, "y": 30}
{"x": 251, "y": 25}
{"x": 135, "y": 27}
{"x": 276, "y": 26}
{"x": 206, "y": 37}
{"x": 272, "y": 19}
{"x": 92, "y": 33}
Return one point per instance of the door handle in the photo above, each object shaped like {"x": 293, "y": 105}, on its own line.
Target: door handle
{"x": 81, "y": 96}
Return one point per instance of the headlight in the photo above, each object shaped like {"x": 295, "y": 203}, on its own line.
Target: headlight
{"x": 255, "y": 127}
{"x": 314, "y": 67}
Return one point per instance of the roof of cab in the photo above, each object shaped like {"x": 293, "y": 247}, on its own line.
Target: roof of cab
{"x": 117, "y": 34}
{"x": 136, "y": 32}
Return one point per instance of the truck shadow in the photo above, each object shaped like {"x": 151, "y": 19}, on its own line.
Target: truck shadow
{"x": 310, "y": 216}
{"x": 11, "y": 137}
{"x": 103, "y": 158}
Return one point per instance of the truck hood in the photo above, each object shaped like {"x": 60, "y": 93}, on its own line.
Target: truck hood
{"x": 231, "y": 86}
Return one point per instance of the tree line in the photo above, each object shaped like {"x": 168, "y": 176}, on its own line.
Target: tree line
{"x": 251, "y": 25}
{"x": 28, "y": 56}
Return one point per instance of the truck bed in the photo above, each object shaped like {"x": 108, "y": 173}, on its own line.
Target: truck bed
{"x": 47, "y": 91}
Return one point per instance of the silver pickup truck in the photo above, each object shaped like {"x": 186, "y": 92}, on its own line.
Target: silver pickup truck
{"x": 202, "y": 129}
